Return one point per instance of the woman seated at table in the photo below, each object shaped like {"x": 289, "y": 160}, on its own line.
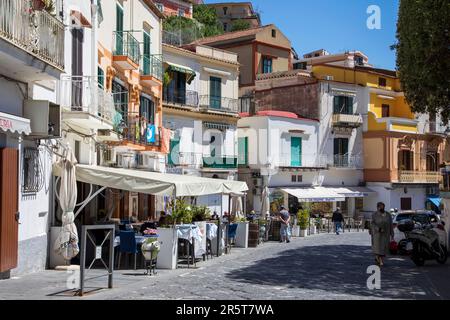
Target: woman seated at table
{"x": 163, "y": 220}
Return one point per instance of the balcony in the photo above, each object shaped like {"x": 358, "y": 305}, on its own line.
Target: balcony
{"x": 347, "y": 120}
{"x": 209, "y": 103}
{"x": 152, "y": 69}
{"x": 85, "y": 104}
{"x": 345, "y": 162}
{"x": 126, "y": 52}
{"x": 419, "y": 177}
{"x": 220, "y": 162}
{"x": 189, "y": 99}
{"x": 36, "y": 32}
{"x": 138, "y": 130}
{"x": 306, "y": 161}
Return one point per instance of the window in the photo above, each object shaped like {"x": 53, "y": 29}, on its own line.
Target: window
{"x": 341, "y": 152}
{"x": 405, "y": 160}
{"x": 385, "y": 111}
{"x": 343, "y": 105}
{"x": 147, "y": 109}
{"x": 300, "y": 66}
{"x": 160, "y": 6}
{"x": 294, "y": 178}
{"x": 296, "y": 152}
{"x": 267, "y": 65}
{"x": 359, "y": 60}
{"x": 180, "y": 12}
{"x": 299, "y": 178}
{"x": 405, "y": 204}
{"x": 274, "y": 33}
{"x": 120, "y": 95}
{"x": 225, "y": 10}
{"x": 215, "y": 92}
{"x": 175, "y": 92}
{"x": 433, "y": 161}
{"x": 101, "y": 77}
{"x": 32, "y": 177}
{"x": 225, "y": 26}
{"x": 382, "y": 82}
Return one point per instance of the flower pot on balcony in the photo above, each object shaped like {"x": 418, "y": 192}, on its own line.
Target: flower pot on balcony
{"x": 38, "y": 5}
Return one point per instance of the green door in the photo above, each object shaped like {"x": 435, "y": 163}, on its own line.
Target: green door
{"x": 173, "y": 157}
{"x": 215, "y": 92}
{"x": 296, "y": 152}
{"x": 119, "y": 30}
{"x": 243, "y": 151}
{"x": 147, "y": 62}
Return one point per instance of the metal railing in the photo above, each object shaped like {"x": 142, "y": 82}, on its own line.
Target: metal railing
{"x": 220, "y": 162}
{"x": 83, "y": 94}
{"x": 125, "y": 44}
{"x": 190, "y": 98}
{"x": 306, "y": 161}
{"x": 134, "y": 128}
{"x": 36, "y": 32}
{"x": 419, "y": 176}
{"x": 345, "y": 161}
{"x": 185, "y": 159}
{"x": 152, "y": 66}
{"x": 219, "y": 103}
{"x": 181, "y": 37}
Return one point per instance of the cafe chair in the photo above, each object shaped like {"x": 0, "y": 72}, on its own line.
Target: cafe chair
{"x": 127, "y": 245}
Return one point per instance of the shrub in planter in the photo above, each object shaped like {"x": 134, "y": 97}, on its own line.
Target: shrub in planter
{"x": 181, "y": 212}
{"x": 303, "y": 221}
{"x": 200, "y": 213}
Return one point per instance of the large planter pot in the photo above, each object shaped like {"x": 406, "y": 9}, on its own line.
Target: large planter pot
{"x": 168, "y": 254}
{"x": 242, "y": 235}
{"x": 303, "y": 233}
{"x": 253, "y": 235}
{"x": 313, "y": 230}
{"x": 296, "y": 231}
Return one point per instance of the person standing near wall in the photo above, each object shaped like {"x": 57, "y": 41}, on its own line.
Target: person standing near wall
{"x": 285, "y": 218}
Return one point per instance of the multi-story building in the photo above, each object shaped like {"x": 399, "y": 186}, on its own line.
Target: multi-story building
{"x": 200, "y": 105}
{"x": 260, "y": 50}
{"x": 31, "y": 61}
{"x": 230, "y": 12}
{"x": 180, "y": 8}
{"x": 337, "y": 109}
{"x": 402, "y": 150}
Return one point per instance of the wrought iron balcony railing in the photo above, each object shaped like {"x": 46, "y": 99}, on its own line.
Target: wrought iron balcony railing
{"x": 220, "y": 162}
{"x": 83, "y": 94}
{"x": 137, "y": 129}
{"x": 125, "y": 44}
{"x": 152, "y": 66}
{"x": 219, "y": 103}
{"x": 345, "y": 161}
{"x": 36, "y": 32}
{"x": 349, "y": 120}
{"x": 190, "y": 98}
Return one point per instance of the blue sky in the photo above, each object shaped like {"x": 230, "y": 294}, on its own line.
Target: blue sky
{"x": 334, "y": 25}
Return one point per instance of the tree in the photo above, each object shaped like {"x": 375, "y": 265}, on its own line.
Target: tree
{"x": 423, "y": 55}
{"x": 240, "y": 24}
{"x": 207, "y": 16}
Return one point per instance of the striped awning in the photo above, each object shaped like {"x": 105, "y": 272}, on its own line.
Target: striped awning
{"x": 14, "y": 124}
{"x": 343, "y": 92}
{"x": 190, "y": 73}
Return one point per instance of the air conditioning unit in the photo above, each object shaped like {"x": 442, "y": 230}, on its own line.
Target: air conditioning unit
{"x": 109, "y": 157}
{"x": 45, "y": 118}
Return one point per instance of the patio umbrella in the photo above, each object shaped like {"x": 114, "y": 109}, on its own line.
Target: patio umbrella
{"x": 265, "y": 206}
{"x": 236, "y": 208}
{"x": 66, "y": 243}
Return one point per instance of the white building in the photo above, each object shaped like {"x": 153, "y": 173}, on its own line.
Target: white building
{"x": 31, "y": 61}
{"x": 200, "y": 106}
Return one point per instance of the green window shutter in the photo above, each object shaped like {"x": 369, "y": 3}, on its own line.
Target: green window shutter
{"x": 101, "y": 77}
{"x": 119, "y": 30}
{"x": 215, "y": 92}
{"x": 172, "y": 157}
{"x": 296, "y": 151}
{"x": 243, "y": 151}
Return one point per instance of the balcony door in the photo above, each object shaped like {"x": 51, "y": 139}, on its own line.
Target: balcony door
{"x": 296, "y": 152}
{"x": 343, "y": 105}
{"x": 433, "y": 161}
{"x": 215, "y": 92}
{"x": 147, "y": 110}
{"x": 147, "y": 60}
{"x": 243, "y": 151}
{"x": 77, "y": 68}
{"x": 405, "y": 160}
{"x": 175, "y": 92}
{"x": 119, "y": 30}
{"x": 341, "y": 152}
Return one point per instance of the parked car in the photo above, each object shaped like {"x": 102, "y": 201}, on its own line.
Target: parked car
{"x": 423, "y": 217}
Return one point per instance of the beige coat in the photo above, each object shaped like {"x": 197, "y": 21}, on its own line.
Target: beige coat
{"x": 381, "y": 231}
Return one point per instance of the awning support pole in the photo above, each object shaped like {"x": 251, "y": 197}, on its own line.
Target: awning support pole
{"x": 89, "y": 199}
{"x": 244, "y": 206}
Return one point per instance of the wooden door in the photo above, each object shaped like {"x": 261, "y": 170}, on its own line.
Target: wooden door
{"x": 9, "y": 203}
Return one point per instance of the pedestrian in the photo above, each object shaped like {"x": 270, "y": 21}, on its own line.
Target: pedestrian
{"x": 215, "y": 216}
{"x": 382, "y": 232}
{"x": 285, "y": 218}
{"x": 337, "y": 219}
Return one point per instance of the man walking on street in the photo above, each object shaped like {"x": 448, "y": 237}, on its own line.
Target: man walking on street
{"x": 285, "y": 218}
{"x": 337, "y": 219}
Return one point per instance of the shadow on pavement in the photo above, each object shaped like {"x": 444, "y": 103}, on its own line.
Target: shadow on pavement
{"x": 339, "y": 269}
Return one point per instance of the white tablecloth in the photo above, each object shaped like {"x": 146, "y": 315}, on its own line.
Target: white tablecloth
{"x": 139, "y": 240}
{"x": 188, "y": 231}
{"x": 211, "y": 231}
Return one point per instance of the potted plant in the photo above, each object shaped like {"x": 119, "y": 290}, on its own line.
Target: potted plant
{"x": 303, "y": 222}
{"x": 200, "y": 213}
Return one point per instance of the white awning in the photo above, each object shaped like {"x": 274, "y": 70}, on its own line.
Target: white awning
{"x": 218, "y": 72}
{"x": 315, "y": 194}
{"x": 354, "y": 192}
{"x": 156, "y": 183}
{"x": 14, "y": 124}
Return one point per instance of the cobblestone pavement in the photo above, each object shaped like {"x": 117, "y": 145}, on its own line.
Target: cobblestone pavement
{"x": 322, "y": 266}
